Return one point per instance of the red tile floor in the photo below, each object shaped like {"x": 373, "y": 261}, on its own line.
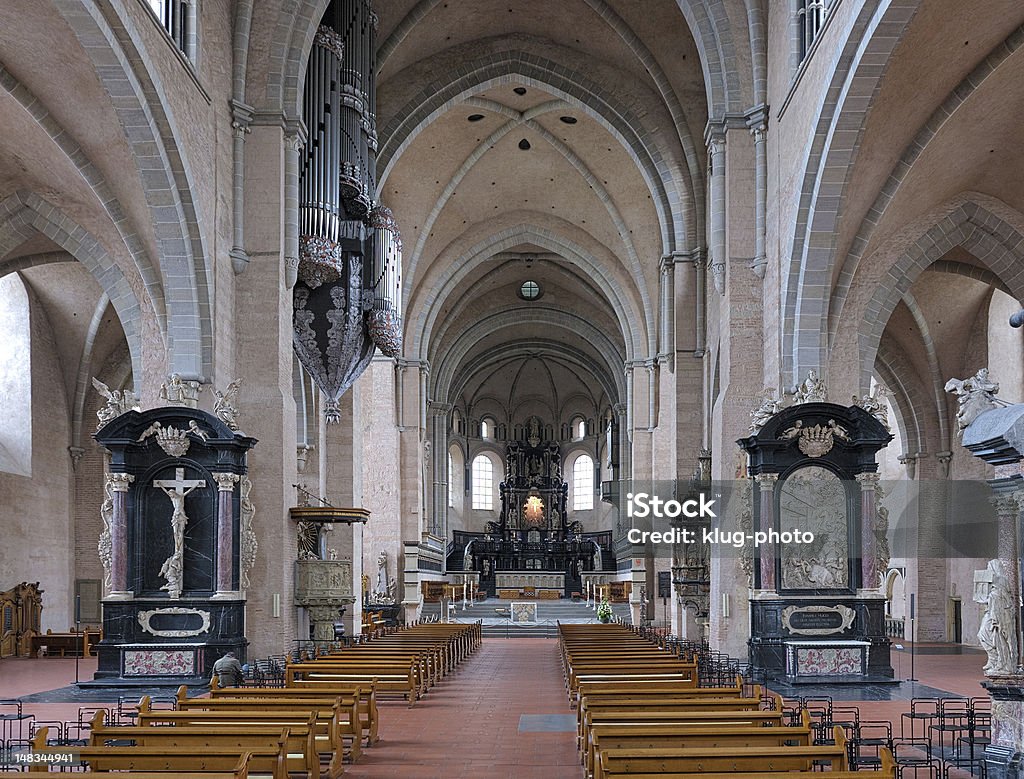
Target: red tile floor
{"x": 468, "y": 725}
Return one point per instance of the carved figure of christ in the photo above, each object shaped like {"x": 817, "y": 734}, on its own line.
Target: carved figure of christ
{"x": 176, "y": 489}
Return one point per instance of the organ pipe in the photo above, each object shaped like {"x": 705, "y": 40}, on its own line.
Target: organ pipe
{"x": 348, "y": 297}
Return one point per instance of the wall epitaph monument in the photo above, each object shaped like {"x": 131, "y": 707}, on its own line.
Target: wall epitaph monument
{"x": 177, "y": 544}
{"x": 816, "y": 612}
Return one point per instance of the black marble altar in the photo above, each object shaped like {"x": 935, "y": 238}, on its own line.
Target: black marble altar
{"x": 813, "y": 466}
{"x": 152, "y": 632}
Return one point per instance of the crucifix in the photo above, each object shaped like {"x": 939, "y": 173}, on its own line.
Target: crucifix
{"x": 176, "y": 489}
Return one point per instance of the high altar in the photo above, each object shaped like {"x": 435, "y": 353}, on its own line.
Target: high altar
{"x": 533, "y": 533}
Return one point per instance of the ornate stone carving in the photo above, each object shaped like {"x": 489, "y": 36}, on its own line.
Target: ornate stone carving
{"x": 105, "y": 545}
{"x": 975, "y": 396}
{"x": 998, "y": 632}
{"x": 180, "y": 392}
{"x": 875, "y": 405}
{"x": 302, "y": 456}
{"x": 177, "y": 489}
{"x": 323, "y": 582}
{"x": 173, "y": 441}
{"x": 845, "y": 613}
{"x": 813, "y": 390}
{"x": 224, "y": 405}
{"x": 118, "y": 403}
{"x": 881, "y": 526}
{"x": 813, "y": 500}
{"x": 144, "y": 618}
{"x": 745, "y": 523}
{"x": 247, "y": 543}
{"x": 768, "y": 407}
{"x": 816, "y": 441}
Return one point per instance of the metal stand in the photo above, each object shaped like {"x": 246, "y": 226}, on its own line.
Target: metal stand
{"x": 78, "y": 631}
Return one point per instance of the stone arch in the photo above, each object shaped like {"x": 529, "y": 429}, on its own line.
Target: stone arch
{"x": 712, "y": 31}
{"x": 663, "y": 175}
{"x": 23, "y": 215}
{"x": 443, "y": 377}
{"x": 290, "y": 44}
{"x": 635, "y": 320}
{"x": 953, "y": 102}
{"x": 985, "y": 235}
{"x": 833, "y": 146}
{"x": 603, "y": 9}
{"x": 115, "y": 47}
{"x": 76, "y": 155}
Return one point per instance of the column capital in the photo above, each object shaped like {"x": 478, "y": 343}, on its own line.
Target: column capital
{"x": 120, "y": 482}
{"x": 422, "y": 365}
{"x": 439, "y": 409}
{"x": 766, "y": 480}
{"x": 868, "y": 481}
{"x": 717, "y": 127}
{"x": 226, "y": 481}
{"x": 1007, "y": 503}
{"x": 757, "y": 119}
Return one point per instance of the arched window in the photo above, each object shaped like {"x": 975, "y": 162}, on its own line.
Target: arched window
{"x": 15, "y": 377}
{"x": 485, "y": 429}
{"x": 583, "y": 483}
{"x": 581, "y": 428}
{"x": 451, "y": 482}
{"x": 483, "y": 483}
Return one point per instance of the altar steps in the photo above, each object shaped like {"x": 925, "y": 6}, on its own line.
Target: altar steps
{"x": 496, "y": 624}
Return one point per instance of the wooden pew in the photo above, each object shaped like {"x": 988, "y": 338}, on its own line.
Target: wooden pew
{"x": 345, "y": 711}
{"x": 739, "y": 761}
{"x": 400, "y": 678}
{"x": 625, "y": 735}
{"x": 329, "y": 743}
{"x": 682, "y": 716}
{"x": 365, "y": 694}
{"x": 227, "y": 761}
{"x": 301, "y": 755}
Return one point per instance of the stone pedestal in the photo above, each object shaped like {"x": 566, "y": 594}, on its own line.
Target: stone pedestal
{"x": 1003, "y": 755}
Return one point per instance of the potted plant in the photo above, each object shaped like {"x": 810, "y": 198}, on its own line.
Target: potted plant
{"x": 604, "y": 611}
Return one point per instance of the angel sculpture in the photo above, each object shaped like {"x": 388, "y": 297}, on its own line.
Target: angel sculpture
{"x": 118, "y": 402}
{"x": 769, "y": 407}
{"x": 224, "y": 404}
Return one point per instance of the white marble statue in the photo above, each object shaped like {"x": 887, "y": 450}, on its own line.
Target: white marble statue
{"x": 998, "y": 631}
{"x": 975, "y": 396}
{"x": 177, "y": 490}
{"x": 224, "y": 404}
{"x": 769, "y": 407}
{"x": 118, "y": 403}
{"x": 875, "y": 405}
{"x": 812, "y": 390}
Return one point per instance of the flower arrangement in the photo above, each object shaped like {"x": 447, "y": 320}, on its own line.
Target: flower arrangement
{"x": 604, "y": 611}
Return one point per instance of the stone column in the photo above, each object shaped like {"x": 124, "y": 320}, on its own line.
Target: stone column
{"x": 1007, "y": 502}
{"x": 225, "y": 536}
{"x": 119, "y": 484}
{"x": 869, "y": 572}
{"x": 262, "y": 329}
{"x": 716, "y": 152}
{"x": 757, "y": 121}
{"x": 439, "y": 465}
{"x": 766, "y": 493}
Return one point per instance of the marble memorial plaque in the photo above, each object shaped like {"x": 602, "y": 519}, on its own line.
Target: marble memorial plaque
{"x": 817, "y": 620}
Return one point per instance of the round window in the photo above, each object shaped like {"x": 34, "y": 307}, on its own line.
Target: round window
{"x": 530, "y": 290}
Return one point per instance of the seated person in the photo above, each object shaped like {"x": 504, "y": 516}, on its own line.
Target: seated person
{"x": 228, "y": 670}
